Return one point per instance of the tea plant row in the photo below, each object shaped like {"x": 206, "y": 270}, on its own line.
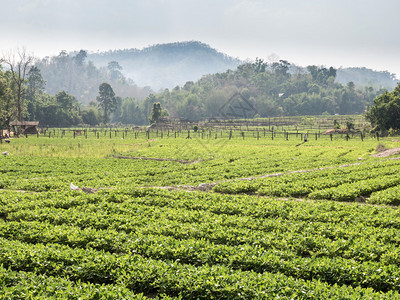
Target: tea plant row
{"x": 340, "y": 184}
{"x": 143, "y": 238}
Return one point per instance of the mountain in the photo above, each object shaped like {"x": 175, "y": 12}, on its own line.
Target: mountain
{"x": 167, "y": 65}
{"x": 173, "y": 64}
{"x": 72, "y": 74}
{"x": 137, "y": 73}
{"x": 367, "y": 77}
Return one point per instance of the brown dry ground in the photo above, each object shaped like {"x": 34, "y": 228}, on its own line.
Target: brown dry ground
{"x": 388, "y": 152}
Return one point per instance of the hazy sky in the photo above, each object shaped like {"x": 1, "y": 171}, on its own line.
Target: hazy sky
{"x": 322, "y": 32}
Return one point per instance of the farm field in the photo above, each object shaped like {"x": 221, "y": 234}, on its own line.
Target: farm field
{"x": 205, "y": 215}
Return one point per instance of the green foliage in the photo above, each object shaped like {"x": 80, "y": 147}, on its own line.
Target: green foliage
{"x": 91, "y": 116}
{"x": 321, "y": 75}
{"x": 137, "y": 240}
{"x": 385, "y": 113}
{"x": 349, "y": 124}
{"x": 155, "y": 114}
{"x": 129, "y": 111}
{"x": 364, "y": 77}
{"x": 24, "y": 285}
{"x": 123, "y": 238}
{"x": 106, "y": 100}
{"x": 73, "y": 73}
{"x": 273, "y": 89}
{"x": 336, "y": 124}
{"x": 336, "y": 184}
{"x": 389, "y": 196}
{"x": 80, "y": 57}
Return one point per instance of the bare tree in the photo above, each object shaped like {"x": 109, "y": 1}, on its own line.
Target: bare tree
{"x": 18, "y": 62}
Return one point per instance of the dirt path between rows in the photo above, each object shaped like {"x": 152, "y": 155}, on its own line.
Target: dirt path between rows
{"x": 209, "y": 186}
{"x": 158, "y": 159}
{"x": 387, "y": 152}
{"x": 19, "y": 191}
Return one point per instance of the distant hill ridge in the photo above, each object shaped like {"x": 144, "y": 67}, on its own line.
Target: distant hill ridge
{"x": 167, "y": 65}
{"x": 367, "y": 77}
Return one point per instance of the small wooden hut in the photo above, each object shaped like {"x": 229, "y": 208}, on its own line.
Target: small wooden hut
{"x": 25, "y": 127}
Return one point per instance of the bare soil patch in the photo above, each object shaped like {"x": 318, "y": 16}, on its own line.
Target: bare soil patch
{"x": 388, "y": 152}
{"x": 208, "y": 186}
{"x": 157, "y": 159}
{"x": 19, "y": 191}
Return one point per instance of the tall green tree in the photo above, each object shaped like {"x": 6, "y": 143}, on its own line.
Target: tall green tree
{"x": 107, "y": 100}
{"x": 385, "y": 112}
{"x": 155, "y": 114}
{"x": 129, "y": 112}
{"x": 80, "y": 57}
{"x": 114, "y": 69}
{"x": 91, "y": 116}
{"x": 34, "y": 90}
{"x": 35, "y": 82}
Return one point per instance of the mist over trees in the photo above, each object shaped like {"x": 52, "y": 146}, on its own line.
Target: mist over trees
{"x": 367, "y": 77}
{"x": 18, "y": 62}
{"x": 167, "y": 65}
{"x": 273, "y": 89}
{"x": 62, "y": 90}
{"x": 81, "y": 78}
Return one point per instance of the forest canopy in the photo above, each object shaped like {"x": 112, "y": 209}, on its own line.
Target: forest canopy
{"x": 62, "y": 91}
{"x": 272, "y": 89}
{"x": 385, "y": 112}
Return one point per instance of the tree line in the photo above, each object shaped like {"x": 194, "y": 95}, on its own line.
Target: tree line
{"x": 384, "y": 114}
{"x": 257, "y": 89}
{"x": 25, "y": 94}
{"x": 270, "y": 89}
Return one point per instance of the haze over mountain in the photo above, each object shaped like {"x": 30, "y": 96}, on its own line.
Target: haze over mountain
{"x": 136, "y": 73}
{"x": 173, "y": 64}
{"x": 194, "y": 83}
{"x": 167, "y": 65}
{"x": 332, "y": 33}
{"x": 367, "y": 77}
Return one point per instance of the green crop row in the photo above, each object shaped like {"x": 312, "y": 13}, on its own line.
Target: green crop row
{"x": 390, "y": 196}
{"x": 168, "y": 277}
{"x": 350, "y": 191}
{"x": 336, "y": 258}
{"x": 346, "y": 239}
{"x": 304, "y": 186}
{"x": 332, "y": 242}
{"x": 134, "y": 209}
{"x": 203, "y": 204}
{"x": 218, "y": 228}
{"x": 215, "y": 162}
{"x": 27, "y": 285}
{"x": 335, "y": 184}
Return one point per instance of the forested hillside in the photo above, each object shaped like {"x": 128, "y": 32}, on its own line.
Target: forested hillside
{"x": 135, "y": 73}
{"x": 63, "y": 90}
{"x": 367, "y": 77}
{"x": 263, "y": 90}
{"x": 167, "y": 65}
{"x": 81, "y": 78}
